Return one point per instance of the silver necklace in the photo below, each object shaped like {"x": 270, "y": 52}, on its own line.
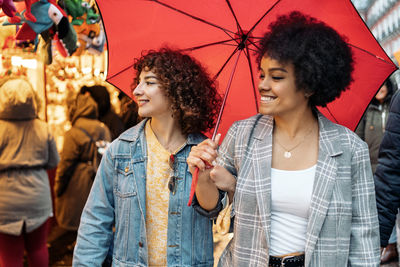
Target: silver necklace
{"x": 288, "y": 154}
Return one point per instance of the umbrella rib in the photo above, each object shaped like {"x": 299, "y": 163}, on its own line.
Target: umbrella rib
{"x": 206, "y": 45}
{"x": 234, "y": 16}
{"x": 327, "y": 108}
{"x": 252, "y": 76}
{"x": 228, "y": 87}
{"x": 194, "y": 17}
{"x": 119, "y": 72}
{"x": 235, "y": 45}
{"x": 187, "y": 49}
{"x": 262, "y": 17}
{"x": 253, "y": 50}
{"x": 253, "y": 43}
{"x": 226, "y": 62}
{"x": 366, "y": 51}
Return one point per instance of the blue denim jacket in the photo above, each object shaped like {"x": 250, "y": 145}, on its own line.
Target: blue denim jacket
{"x": 118, "y": 198}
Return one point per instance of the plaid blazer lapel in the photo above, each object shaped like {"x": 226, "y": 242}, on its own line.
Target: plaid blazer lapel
{"x": 261, "y": 153}
{"x": 324, "y": 181}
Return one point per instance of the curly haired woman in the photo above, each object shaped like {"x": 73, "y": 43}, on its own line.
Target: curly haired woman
{"x": 303, "y": 186}
{"x": 143, "y": 183}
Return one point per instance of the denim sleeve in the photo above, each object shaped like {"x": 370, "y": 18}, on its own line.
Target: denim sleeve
{"x": 95, "y": 230}
{"x": 212, "y": 214}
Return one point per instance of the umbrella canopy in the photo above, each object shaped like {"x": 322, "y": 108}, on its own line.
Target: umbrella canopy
{"x": 215, "y": 30}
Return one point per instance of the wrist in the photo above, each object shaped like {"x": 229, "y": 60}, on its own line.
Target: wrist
{"x": 232, "y": 189}
{"x": 231, "y": 192}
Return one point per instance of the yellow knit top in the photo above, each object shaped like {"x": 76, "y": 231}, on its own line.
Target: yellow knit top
{"x": 157, "y": 199}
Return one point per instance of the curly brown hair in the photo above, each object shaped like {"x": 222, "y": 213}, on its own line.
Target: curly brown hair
{"x": 194, "y": 97}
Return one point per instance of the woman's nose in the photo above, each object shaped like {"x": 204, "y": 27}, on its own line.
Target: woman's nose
{"x": 263, "y": 85}
{"x": 138, "y": 90}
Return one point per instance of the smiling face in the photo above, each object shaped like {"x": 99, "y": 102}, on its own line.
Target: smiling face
{"x": 151, "y": 98}
{"x": 277, "y": 87}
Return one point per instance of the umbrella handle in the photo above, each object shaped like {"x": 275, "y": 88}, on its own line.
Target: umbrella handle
{"x": 195, "y": 177}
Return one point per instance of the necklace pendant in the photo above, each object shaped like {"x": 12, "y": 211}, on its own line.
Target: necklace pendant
{"x": 287, "y": 154}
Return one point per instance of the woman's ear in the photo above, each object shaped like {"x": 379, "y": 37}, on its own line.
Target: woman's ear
{"x": 308, "y": 94}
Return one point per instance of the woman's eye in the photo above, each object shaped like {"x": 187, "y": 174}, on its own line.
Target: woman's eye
{"x": 262, "y": 76}
{"x": 150, "y": 83}
{"x": 277, "y": 78}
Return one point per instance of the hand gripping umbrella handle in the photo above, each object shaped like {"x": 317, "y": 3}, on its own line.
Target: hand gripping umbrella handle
{"x": 195, "y": 175}
{"x": 195, "y": 178}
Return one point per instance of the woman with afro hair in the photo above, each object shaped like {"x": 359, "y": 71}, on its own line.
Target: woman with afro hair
{"x": 302, "y": 186}
{"x": 143, "y": 183}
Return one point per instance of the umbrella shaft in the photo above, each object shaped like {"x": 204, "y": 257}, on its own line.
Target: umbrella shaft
{"x": 228, "y": 87}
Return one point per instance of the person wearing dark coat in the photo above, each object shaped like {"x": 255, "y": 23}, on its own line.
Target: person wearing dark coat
{"x": 101, "y": 95}
{"x": 77, "y": 153}
{"x": 387, "y": 175}
{"x": 372, "y": 125}
{"x": 76, "y": 171}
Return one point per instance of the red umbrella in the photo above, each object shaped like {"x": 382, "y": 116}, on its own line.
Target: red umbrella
{"x": 214, "y": 30}
{"x": 223, "y": 35}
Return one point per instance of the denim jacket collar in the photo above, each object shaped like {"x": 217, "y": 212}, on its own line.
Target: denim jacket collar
{"x": 133, "y": 134}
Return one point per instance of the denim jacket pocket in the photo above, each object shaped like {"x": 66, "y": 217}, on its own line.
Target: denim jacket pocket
{"x": 125, "y": 186}
{"x": 129, "y": 216}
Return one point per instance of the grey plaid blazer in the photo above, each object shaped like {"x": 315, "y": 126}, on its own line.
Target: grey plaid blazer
{"x": 343, "y": 224}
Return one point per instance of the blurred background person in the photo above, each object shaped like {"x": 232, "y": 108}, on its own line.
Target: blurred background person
{"x": 372, "y": 124}
{"x": 27, "y": 149}
{"x": 76, "y": 170}
{"x": 128, "y": 111}
{"x": 371, "y": 129}
{"x": 101, "y": 95}
{"x": 387, "y": 178}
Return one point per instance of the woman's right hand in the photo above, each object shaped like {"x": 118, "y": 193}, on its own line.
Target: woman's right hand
{"x": 203, "y": 155}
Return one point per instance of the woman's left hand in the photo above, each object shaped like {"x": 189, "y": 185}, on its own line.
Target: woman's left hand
{"x": 223, "y": 180}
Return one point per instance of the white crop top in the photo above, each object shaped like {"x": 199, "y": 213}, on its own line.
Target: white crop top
{"x": 291, "y": 193}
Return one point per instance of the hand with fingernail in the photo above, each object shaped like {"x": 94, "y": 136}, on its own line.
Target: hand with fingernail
{"x": 211, "y": 176}
{"x": 202, "y": 157}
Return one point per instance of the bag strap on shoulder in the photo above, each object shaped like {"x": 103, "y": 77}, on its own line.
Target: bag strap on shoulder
{"x": 86, "y": 132}
{"x": 95, "y": 152}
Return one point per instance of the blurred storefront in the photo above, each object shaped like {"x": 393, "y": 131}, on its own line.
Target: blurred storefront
{"x": 56, "y": 76}
{"x": 383, "y": 18}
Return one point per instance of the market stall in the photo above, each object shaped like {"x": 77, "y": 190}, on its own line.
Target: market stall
{"x": 56, "y": 61}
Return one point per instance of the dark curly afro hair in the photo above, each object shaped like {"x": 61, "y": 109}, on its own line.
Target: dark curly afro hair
{"x": 323, "y": 61}
{"x": 194, "y": 97}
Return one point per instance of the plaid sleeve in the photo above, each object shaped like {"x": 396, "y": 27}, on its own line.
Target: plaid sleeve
{"x": 226, "y": 152}
{"x": 212, "y": 214}
{"x": 364, "y": 240}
